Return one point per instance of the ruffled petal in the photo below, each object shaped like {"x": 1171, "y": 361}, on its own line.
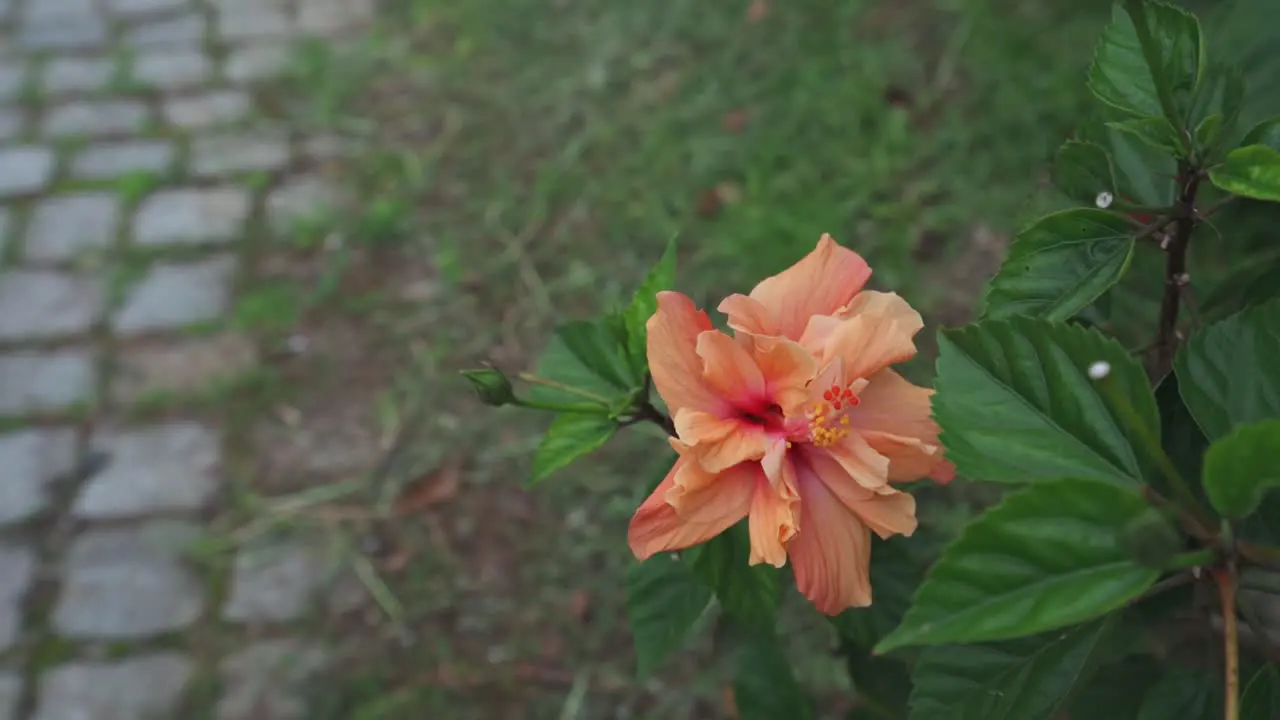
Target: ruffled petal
{"x": 821, "y": 283}
{"x": 729, "y": 370}
{"x": 771, "y": 524}
{"x": 707, "y": 506}
{"x": 673, "y": 359}
{"x": 746, "y": 314}
{"x": 894, "y": 417}
{"x": 831, "y": 553}
{"x": 874, "y": 337}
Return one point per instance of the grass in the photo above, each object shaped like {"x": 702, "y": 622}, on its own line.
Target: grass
{"x": 516, "y": 162}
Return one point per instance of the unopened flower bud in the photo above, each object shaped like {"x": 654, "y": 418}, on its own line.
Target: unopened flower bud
{"x": 1099, "y": 370}
{"x": 491, "y": 386}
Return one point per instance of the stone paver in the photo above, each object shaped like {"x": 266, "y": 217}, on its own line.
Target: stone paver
{"x": 25, "y": 170}
{"x": 108, "y": 160}
{"x": 245, "y": 19}
{"x": 262, "y": 681}
{"x": 181, "y": 365}
{"x": 129, "y": 582}
{"x": 137, "y": 8}
{"x": 172, "y": 69}
{"x": 6, "y": 227}
{"x": 10, "y": 695}
{"x": 11, "y": 120}
{"x": 93, "y": 118}
{"x": 330, "y": 16}
{"x": 158, "y": 469}
{"x": 138, "y": 688}
{"x": 215, "y": 155}
{"x": 65, "y": 226}
{"x": 40, "y": 304}
{"x": 173, "y": 295}
{"x": 60, "y": 25}
{"x": 185, "y": 30}
{"x": 278, "y": 581}
{"x": 12, "y": 77}
{"x": 256, "y": 61}
{"x": 32, "y": 459}
{"x": 77, "y": 74}
{"x": 17, "y": 572}
{"x": 218, "y": 107}
{"x": 45, "y": 381}
{"x": 299, "y": 197}
{"x": 192, "y": 217}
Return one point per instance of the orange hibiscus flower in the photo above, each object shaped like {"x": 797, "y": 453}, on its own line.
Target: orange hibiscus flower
{"x": 795, "y": 422}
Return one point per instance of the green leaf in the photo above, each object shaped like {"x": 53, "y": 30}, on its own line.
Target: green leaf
{"x": 1183, "y": 695}
{"x": 1251, "y": 171}
{"x": 1215, "y": 110}
{"x": 570, "y": 436}
{"x": 882, "y": 685}
{"x": 664, "y": 601}
{"x": 1261, "y": 699}
{"x": 644, "y": 304}
{"x": 491, "y": 386}
{"x": 1047, "y": 557}
{"x": 1060, "y": 264}
{"x": 573, "y": 380}
{"x": 1144, "y": 175}
{"x": 1180, "y": 436}
{"x": 598, "y": 351}
{"x": 1240, "y": 468}
{"x": 750, "y": 594}
{"x": 1132, "y": 78}
{"x": 1208, "y": 130}
{"x": 1014, "y": 680}
{"x": 1116, "y": 690}
{"x": 1228, "y": 373}
{"x": 1081, "y": 170}
{"x": 1156, "y": 132}
{"x": 1016, "y": 404}
{"x": 1254, "y": 282}
{"x": 1265, "y": 133}
{"x": 898, "y": 566}
{"x": 764, "y": 687}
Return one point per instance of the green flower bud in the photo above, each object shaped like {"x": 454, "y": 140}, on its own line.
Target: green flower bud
{"x": 491, "y": 385}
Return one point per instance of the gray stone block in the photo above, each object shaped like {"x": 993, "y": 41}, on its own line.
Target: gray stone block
{"x": 299, "y": 197}
{"x": 11, "y": 122}
{"x": 96, "y": 118}
{"x": 129, "y": 582}
{"x": 256, "y": 61}
{"x": 192, "y": 217}
{"x": 160, "y": 469}
{"x": 136, "y": 8}
{"x": 32, "y": 459}
{"x": 39, "y": 304}
{"x": 76, "y": 74}
{"x": 113, "y": 159}
{"x": 17, "y": 573}
{"x": 63, "y": 227}
{"x": 245, "y": 19}
{"x": 25, "y": 170}
{"x": 264, "y": 681}
{"x": 60, "y": 24}
{"x": 277, "y": 581}
{"x": 218, "y": 107}
{"x": 186, "y": 30}
{"x": 13, "y": 75}
{"x": 332, "y": 16}
{"x": 171, "y": 69}
{"x": 137, "y": 688}
{"x": 10, "y": 695}
{"x": 184, "y": 365}
{"x": 214, "y": 155}
{"x": 45, "y": 381}
{"x": 172, "y": 296}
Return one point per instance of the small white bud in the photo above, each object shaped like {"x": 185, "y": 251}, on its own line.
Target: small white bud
{"x": 1104, "y": 200}
{"x": 1099, "y": 369}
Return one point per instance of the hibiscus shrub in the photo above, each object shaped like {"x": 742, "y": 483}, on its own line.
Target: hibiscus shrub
{"x": 1104, "y": 583}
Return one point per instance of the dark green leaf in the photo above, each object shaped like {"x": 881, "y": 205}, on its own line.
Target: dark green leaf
{"x": 573, "y": 381}
{"x": 1183, "y": 695}
{"x": 897, "y": 567}
{"x": 1228, "y": 373}
{"x": 1144, "y": 175}
{"x": 664, "y": 601}
{"x": 1182, "y": 439}
{"x": 1215, "y": 110}
{"x": 1060, "y": 264}
{"x": 1261, "y": 699}
{"x": 764, "y": 687}
{"x": 1265, "y": 133}
{"x": 1013, "y": 680}
{"x": 1254, "y": 282}
{"x": 1081, "y": 170}
{"x": 598, "y": 351}
{"x": 750, "y": 594}
{"x": 644, "y": 304}
{"x": 491, "y": 386}
{"x": 1156, "y": 132}
{"x": 881, "y": 685}
{"x": 1240, "y": 468}
{"x": 1131, "y": 78}
{"x": 1116, "y": 691}
{"x": 1251, "y": 171}
{"x": 1016, "y": 404}
{"x": 1047, "y": 557}
{"x": 570, "y": 436}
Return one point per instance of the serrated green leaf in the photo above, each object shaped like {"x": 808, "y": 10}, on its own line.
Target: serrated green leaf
{"x": 1215, "y": 110}
{"x": 1265, "y": 133}
{"x": 1060, "y": 264}
{"x": 1155, "y": 132}
{"x": 644, "y": 304}
{"x": 1228, "y": 374}
{"x": 1240, "y": 468}
{"x": 897, "y": 567}
{"x": 1144, "y": 175}
{"x": 1116, "y": 690}
{"x": 750, "y": 594}
{"x": 1013, "y": 680}
{"x": 1261, "y": 698}
{"x": 1082, "y": 170}
{"x": 1180, "y": 436}
{"x": 570, "y": 380}
{"x": 1016, "y": 404}
{"x": 1252, "y": 171}
{"x": 1253, "y": 282}
{"x": 664, "y": 602}
{"x": 1047, "y": 557}
{"x": 764, "y": 687}
{"x": 1132, "y": 78}
{"x": 881, "y": 685}
{"x": 598, "y": 351}
{"x": 570, "y": 436}
{"x": 1183, "y": 695}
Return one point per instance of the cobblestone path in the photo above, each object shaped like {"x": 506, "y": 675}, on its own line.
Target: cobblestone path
{"x": 136, "y": 175}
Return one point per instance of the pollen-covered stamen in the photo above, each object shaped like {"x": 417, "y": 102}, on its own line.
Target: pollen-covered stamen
{"x": 828, "y": 418}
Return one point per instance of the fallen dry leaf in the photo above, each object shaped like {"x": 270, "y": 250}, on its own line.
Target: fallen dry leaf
{"x": 735, "y": 121}
{"x": 757, "y": 10}
{"x": 434, "y": 488}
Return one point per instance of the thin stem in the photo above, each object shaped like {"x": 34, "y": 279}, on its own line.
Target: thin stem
{"x": 1195, "y": 558}
{"x": 535, "y": 380}
{"x": 1230, "y": 641}
{"x": 1175, "y": 272}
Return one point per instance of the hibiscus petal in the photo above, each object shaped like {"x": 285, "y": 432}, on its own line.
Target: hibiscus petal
{"x": 673, "y": 359}
{"x": 771, "y": 523}
{"x": 746, "y": 314}
{"x": 860, "y": 461}
{"x": 876, "y": 336}
{"x": 888, "y": 514}
{"x": 707, "y": 508}
{"x": 894, "y": 417}
{"x": 885, "y": 510}
{"x": 787, "y": 368}
{"x": 831, "y": 552}
{"x": 729, "y": 369}
{"x": 819, "y": 284}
